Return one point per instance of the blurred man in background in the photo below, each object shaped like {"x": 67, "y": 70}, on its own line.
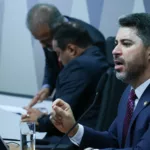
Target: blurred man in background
{"x": 41, "y": 20}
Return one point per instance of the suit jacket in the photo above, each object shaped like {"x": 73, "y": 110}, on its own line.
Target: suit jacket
{"x": 138, "y": 137}
{"x": 52, "y": 68}
{"x": 76, "y": 85}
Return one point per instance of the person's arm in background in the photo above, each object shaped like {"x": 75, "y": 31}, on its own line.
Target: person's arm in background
{"x": 72, "y": 83}
{"x": 50, "y": 74}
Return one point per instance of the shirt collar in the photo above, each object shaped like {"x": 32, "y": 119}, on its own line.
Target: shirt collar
{"x": 66, "y": 19}
{"x": 140, "y": 89}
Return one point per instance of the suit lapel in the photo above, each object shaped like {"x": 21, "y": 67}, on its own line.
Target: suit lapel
{"x": 143, "y": 102}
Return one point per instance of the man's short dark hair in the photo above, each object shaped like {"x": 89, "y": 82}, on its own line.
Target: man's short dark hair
{"x": 139, "y": 21}
{"x": 71, "y": 33}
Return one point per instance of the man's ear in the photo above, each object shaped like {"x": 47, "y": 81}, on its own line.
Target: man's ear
{"x": 72, "y": 49}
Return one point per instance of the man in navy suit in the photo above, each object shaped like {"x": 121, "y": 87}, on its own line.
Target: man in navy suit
{"x": 41, "y": 20}
{"x": 131, "y": 128}
{"x": 83, "y": 66}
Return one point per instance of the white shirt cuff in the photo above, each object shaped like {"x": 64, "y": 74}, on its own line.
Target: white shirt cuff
{"x": 45, "y": 86}
{"x": 76, "y": 139}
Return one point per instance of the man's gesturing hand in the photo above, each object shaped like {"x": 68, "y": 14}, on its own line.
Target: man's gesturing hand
{"x": 62, "y": 117}
{"x": 39, "y": 97}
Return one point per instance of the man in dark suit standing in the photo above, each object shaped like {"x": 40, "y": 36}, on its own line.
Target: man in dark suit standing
{"x": 41, "y": 20}
{"x": 131, "y": 128}
{"x": 83, "y": 64}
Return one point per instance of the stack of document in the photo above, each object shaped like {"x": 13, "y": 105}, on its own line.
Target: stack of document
{"x": 20, "y": 110}
{"x": 13, "y": 109}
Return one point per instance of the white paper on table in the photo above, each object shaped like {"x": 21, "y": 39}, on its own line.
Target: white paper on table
{"x": 21, "y": 110}
{"x": 13, "y": 109}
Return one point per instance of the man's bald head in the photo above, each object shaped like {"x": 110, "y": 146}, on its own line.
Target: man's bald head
{"x": 41, "y": 21}
{"x": 41, "y": 14}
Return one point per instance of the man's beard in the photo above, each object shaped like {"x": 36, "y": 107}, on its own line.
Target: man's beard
{"x": 132, "y": 74}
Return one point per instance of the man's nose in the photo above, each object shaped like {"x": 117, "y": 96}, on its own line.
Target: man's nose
{"x": 117, "y": 50}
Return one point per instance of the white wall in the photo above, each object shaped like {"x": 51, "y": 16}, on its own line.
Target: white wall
{"x": 22, "y": 58}
{"x": 17, "y": 66}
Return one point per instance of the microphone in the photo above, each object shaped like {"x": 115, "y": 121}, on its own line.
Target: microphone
{"x": 99, "y": 88}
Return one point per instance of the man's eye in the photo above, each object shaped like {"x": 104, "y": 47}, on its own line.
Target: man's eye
{"x": 126, "y": 44}
{"x": 116, "y": 43}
